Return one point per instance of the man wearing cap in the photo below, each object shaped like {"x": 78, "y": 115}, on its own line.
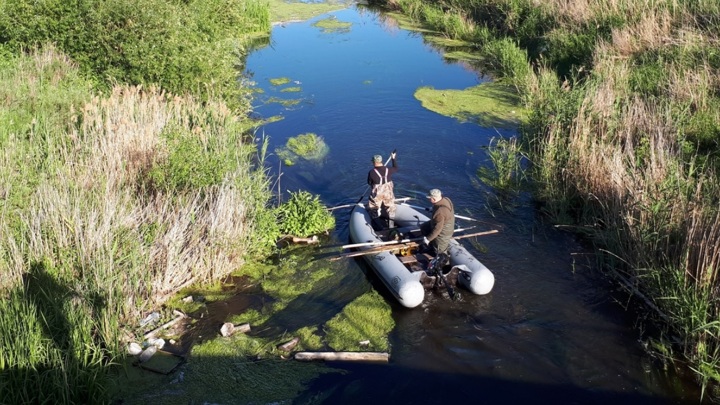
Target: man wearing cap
{"x": 382, "y": 197}
{"x": 439, "y": 229}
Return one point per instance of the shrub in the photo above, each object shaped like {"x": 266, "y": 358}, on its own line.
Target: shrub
{"x": 304, "y": 215}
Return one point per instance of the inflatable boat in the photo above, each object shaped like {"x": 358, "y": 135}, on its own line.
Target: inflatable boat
{"x": 395, "y": 256}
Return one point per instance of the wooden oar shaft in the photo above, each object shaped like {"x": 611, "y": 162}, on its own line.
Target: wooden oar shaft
{"x": 397, "y": 200}
{"x": 428, "y": 209}
{"x": 409, "y": 244}
{"x": 390, "y": 242}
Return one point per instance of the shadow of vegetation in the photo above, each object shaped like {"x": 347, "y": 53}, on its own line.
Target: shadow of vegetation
{"x": 64, "y": 366}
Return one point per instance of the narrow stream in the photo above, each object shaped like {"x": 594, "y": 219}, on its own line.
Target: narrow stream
{"x": 549, "y": 332}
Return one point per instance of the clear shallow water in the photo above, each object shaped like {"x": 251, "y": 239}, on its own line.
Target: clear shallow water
{"x": 549, "y": 332}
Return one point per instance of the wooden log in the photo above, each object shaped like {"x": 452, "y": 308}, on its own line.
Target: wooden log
{"x": 286, "y": 347}
{"x": 374, "y": 357}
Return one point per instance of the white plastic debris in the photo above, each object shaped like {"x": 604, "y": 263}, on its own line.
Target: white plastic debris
{"x": 147, "y": 353}
{"x": 134, "y": 349}
{"x": 152, "y": 318}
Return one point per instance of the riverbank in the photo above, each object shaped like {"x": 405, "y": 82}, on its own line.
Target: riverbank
{"x": 129, "y": 171}
{"x": 622, "y": 138}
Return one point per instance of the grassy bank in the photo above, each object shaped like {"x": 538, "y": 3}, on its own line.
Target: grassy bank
{"x": 623, "y": 140}
{"x": 129, "y": 170}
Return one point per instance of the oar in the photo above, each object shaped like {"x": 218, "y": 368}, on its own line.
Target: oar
{"x": 410, "y": 243}
{"x": 390, "y": 242}
{"x": 368, "y": 187}
{"x": 397, "y": 200}
{"x": 428, "y": 209}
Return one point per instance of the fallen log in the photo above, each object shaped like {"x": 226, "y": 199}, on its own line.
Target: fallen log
{"x": 286, "y": 347}
{"x": 343, "y": 356}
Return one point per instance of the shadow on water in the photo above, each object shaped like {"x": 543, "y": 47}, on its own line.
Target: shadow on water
{"x": 383, "y": 384}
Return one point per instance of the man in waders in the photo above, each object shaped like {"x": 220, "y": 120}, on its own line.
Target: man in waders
{"x": 439, "y": 229}
{"x": 382, "y": 197}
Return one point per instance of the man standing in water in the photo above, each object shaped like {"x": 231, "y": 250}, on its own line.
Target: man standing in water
{"x": 439, "y": 229}
{"x": 382, "y": 197}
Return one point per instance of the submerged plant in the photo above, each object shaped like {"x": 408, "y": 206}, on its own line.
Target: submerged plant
{"x": 307, "y": 146}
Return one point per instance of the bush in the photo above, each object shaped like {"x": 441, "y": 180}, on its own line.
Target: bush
{"x": 304, "y": 215}
{"x": 181, "y": 46}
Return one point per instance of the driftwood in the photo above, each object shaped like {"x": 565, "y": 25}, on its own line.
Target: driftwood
{"x": 286, "y": 347}
{"x": 296, "y": 239}
{"x": 228, "y": 328}
{"x": 343, "y": 356}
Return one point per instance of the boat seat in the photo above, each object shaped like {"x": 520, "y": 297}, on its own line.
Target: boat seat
{"x": 407, "y": 260}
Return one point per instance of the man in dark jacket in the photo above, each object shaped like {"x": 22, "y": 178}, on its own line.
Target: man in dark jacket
{"x": 439, "y": 229}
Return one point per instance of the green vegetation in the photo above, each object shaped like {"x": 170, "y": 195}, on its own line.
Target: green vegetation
{"x": 238, "y": 370}
{"x": 304, "y": 215}
{"x": 490, "y": 104}
{"x": 179, "y": 46}
{"x": 279, "y": 81}
{"x": 309, "y": 147}
{"x": 283, "y": 11}
{"x": 622, "y": 134}
{"x": 368, "y": 318}
{"x": 332, "y": 25}
{"x": 129, "y": 171}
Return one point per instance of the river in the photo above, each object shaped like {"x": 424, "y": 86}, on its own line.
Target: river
{"x": 553, "y": 330}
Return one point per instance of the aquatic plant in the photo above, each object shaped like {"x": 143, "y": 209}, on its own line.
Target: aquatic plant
{"x": 309, "y": 146}
{"x": 367, "y": 318}
{"x": 304, "y": 215}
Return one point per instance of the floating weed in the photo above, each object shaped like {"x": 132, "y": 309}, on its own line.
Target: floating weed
{"x": 490, "y": 104}
{"x": 291, "y": 89}
{"x": 284, "y": 102}
{"x": 332, "y": 25}
{"x": 285, "y": 11}
{"x": 310, "y": 147}
{"x": 309, "y": 338}
{"x": 367, "y": 318}
{"x": 279, "y": 81}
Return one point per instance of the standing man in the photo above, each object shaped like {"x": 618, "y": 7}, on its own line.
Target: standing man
{"x": 382, "y": 197}
{"x": 439, "y": 229}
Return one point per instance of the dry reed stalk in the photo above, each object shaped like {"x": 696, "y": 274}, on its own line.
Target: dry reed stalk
{"x": 121, "y": 135}
{"x": 652, "y": 31}
{"x": 703, "y": 246}
{"x": 693, "y": 87}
